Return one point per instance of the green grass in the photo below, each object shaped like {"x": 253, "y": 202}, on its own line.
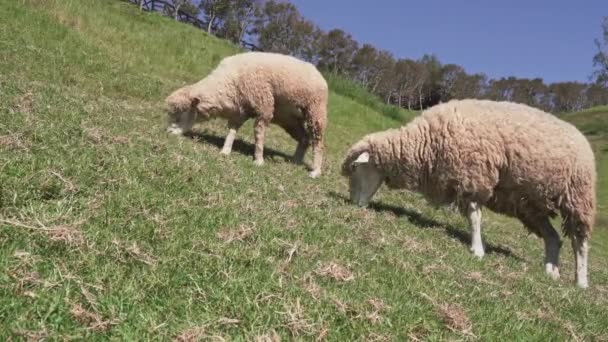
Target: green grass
{"x": 113, "y": 230}
{"x": 593, "y": 122}
{"x": 359, "y": 94}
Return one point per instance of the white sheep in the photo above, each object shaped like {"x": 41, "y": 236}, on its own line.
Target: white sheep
{"x": 268, "y": 87}
{"x": 511, "y": 158}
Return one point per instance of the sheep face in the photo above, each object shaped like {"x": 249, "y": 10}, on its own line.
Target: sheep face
{"x": 183, "y": 114}
{"x": 364, "y": 180}
{"x": 180, "y": 122}
{"x": 180, "y": 111}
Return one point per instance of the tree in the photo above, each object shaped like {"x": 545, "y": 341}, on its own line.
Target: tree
{"x": 382, "y": 78}
{"x": 372, "y": 68}
{"x": 600, "y": 60}
{"x": 406, "y": 73}
{"x": 184, "y": 6}
{"x": 451, "y": 74}
{"x": 280, "y": 28}
{"x": 596, "y": 95}
{"x": 429, "y": 92}
{"x": 470, "y": 86}
{"x": 215, "y": 10}
{"x": 501, "y": 89}
{"x": 568, "y": 96}
{"x": 240, "y": 16}
{"x": 363, "y": 63}
{"x": 336, "y": 50}
{"x": 531, "y": 92}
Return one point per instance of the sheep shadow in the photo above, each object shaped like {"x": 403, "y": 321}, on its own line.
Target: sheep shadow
{"x": 239, "y": 146}
{"x": 423, "y": 222}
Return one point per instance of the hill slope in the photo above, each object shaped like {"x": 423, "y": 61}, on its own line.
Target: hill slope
{"x": 111, "y": 229}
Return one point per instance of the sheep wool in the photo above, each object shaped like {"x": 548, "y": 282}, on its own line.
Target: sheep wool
{"x": 268, "y": 87}
{"x": 511, "y": 158}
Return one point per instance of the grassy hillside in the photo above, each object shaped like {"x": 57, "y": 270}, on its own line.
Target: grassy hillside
{"x": 110, "y": 229}
{"x": 594, "y": 124}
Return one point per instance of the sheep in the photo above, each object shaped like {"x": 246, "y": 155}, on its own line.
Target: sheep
{"x": 268, "y": 87}
{"x": 513, "y": 159}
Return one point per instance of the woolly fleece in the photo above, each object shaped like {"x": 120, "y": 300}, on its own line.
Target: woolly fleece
{"x": 269, "y": 87}
{"x": 513, "y": 159}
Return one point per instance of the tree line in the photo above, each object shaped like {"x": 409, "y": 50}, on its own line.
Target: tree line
{"x": 278, "y": 26}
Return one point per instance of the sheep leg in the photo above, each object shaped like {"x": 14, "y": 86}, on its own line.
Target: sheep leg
{"x": 233, "y": 127}
{"x": 298, "y": 133}
{"x": 474, "y": 217}
{"x": 316, "y": 129}
{"x": 581, "y": 251}
{"x": 552, "y": 246}
{"x": 260, "y": 129}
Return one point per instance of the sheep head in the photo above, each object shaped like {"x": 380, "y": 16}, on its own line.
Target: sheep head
{"x": 180, "y": 111}
{"x": 364, "y": 177}
{"x": 184, "y": 109}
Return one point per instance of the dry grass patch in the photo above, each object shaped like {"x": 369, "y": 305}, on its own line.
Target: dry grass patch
{"x": 68, "y": 234}
{"x": 24, "y": 103}
{"x": 373, "y": 337}
{"x": 134, "y": 251}
{"x": 335, "y": 271}
{"x": 33, "y": 335}
{"x": 92, "y": 320}
{"x": 191, "y": 334}
{"x": 242, "y": 233}
{"x": 97, "y": 136}
{"x": 309, "y": 284}
{"x": 378, "y": 307}
{"x": 453, "y": 316}
{"x": 15, "y": 142}
{"x": 296, "y": 321}
{"x": 271, "y": 336}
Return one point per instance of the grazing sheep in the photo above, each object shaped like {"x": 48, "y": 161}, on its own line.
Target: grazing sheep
{"x": 269, "y": 87}
{"x": 511, "y": 158}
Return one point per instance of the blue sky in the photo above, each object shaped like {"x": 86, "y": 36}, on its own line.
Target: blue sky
{"x": 534, "y": 38}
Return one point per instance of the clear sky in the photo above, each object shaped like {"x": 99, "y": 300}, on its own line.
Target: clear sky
{"x": 552, "y": 39}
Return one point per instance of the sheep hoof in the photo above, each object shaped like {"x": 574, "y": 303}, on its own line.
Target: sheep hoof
{"x": 259, "y": 162}
{"x": 225, "y": 152}
{"x": 175, "y": 130}
{"x": 552, "y": 271}
{"x": 478, "y": 253}
{"x": 582, "y": 284}
{"x": 314, "y": 173}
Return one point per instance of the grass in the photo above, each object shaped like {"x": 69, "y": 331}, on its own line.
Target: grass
{"x": 593, "y": 123}
{"x": 110, "y": 229}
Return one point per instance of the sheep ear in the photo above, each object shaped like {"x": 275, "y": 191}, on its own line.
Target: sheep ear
{"x": 362, "y": 159}
{"x": 195, "y": 102}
